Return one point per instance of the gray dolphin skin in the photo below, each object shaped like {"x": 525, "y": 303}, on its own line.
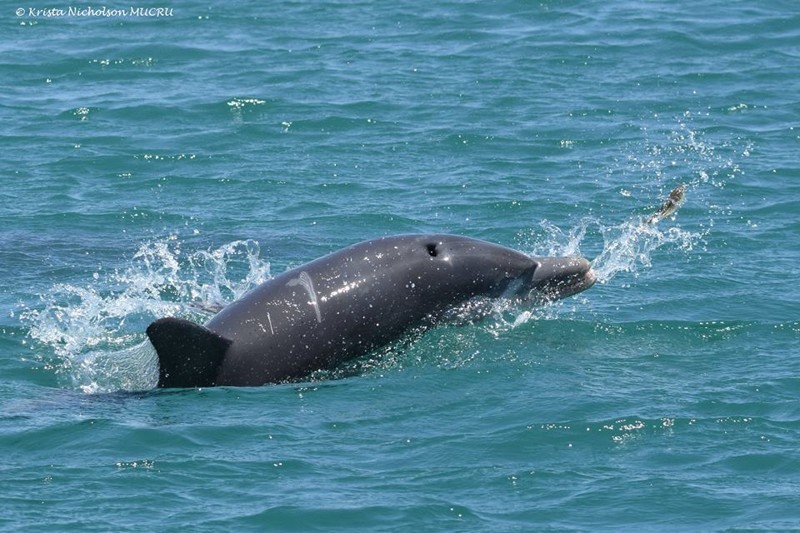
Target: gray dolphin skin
{"x": 350, "y": 303}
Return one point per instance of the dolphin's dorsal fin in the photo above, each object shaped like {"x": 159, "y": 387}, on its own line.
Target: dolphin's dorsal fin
{"x": 189, "y": 355}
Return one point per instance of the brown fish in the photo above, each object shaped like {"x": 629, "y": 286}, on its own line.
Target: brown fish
{"x": 670, "y": 205}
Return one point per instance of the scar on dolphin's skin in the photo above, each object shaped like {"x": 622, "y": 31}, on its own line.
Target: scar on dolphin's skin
{"x": 305, "y": 281}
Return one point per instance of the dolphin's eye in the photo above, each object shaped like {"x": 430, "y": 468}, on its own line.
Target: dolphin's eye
{"x": 432, "y": 251}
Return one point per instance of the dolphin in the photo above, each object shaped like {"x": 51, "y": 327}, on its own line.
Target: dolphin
{"x": 349, "y": 303}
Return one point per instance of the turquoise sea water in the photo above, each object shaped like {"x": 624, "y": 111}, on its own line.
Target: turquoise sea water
{"x": 154, "y": 165}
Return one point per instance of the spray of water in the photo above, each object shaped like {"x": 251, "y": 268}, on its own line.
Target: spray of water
{"x": 629, "y": 245}
{"x": 681, "y": 164}
{"x": 95, "y": 331}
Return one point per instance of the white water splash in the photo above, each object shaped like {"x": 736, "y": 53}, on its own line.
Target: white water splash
{"x": 681, "y": 155}
{"x": 96, "y": 331}
{"x": 627, "y": 246}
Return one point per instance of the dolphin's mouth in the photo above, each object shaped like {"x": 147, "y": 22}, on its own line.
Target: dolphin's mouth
{"x": 560, "y": 277}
